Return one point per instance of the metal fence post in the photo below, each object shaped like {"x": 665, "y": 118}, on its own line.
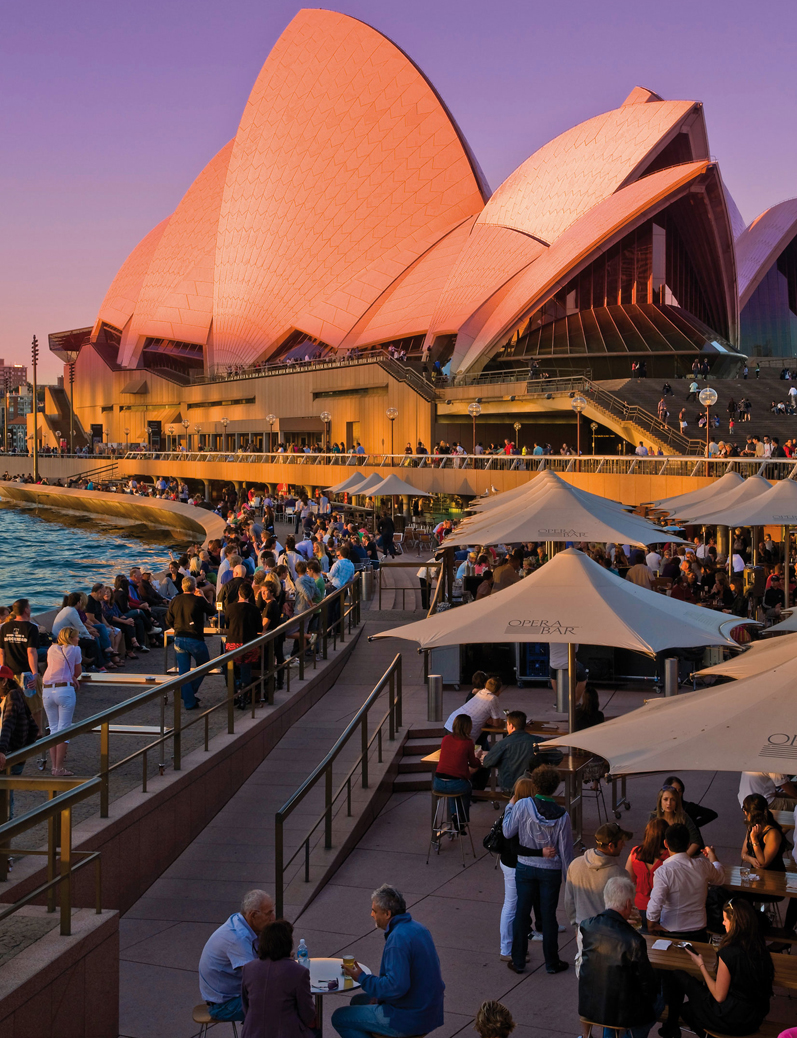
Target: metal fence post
{"x": 66, "y": 872}
{"x": 328, "y": 808}
{"x": 434, "y": 710}
{"x": 301, "y": 650}
{"x": 364, "y": 747}
{"x": 391, "y": 713}
{"x": 561, "y": 692}
{"x": 105, "y": 750}
{"x": 399, "y": 679}
{"x": 176, "y": 730}
{"x": 278, "y": 866}
{"x": 324, "y": 627}
{"x": 230, "y": 697}
{"x": 271, "y": 678}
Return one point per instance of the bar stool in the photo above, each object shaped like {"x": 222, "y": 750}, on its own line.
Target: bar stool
{"x": 618, "y": 1031}
{"x": 439, "y": 813}
{"x": 202, "y": 1016}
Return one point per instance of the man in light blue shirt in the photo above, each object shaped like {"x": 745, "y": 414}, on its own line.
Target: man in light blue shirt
{"x": 227, "y": 951}
{"x": 343, "y": 570}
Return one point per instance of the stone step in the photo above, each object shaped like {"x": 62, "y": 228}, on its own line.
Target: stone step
{"x": 412, "y": 764}
{"x": 414, "y": 782}
{"x": 414, "y": 747}
{"x": 428, "y": 732}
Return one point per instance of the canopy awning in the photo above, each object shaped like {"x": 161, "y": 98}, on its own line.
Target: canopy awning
{"x": 348, "y": 485}
{"x": 573, "y": 599}
{"x": 775, "y": 507}
{"x": 393, "y": 486}
{"x": 729, "y": 481}
{"x": 759, "y": 657}
{"x": 714, "y": 510}
{"x": 745, "y": 725}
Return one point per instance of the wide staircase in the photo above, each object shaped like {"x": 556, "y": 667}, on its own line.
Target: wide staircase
{"x": 645, "y": 393}
{"x": 414, "y": 773}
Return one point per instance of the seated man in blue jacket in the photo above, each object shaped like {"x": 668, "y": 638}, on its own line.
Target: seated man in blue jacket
{"x": 407, "y": 996}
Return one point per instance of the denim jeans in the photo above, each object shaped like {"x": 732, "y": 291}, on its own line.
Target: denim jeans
{"x": 359, "y": 1019}
{"x": 185, "y": 649}
{"x": 508, "y": 909}
{"x": 538, "y": 889}
{"x": 103, "y": 639}
{"x": 232, "y": 1009}
{"x": 461, "y": 787}
{"x": 16, "y": 769}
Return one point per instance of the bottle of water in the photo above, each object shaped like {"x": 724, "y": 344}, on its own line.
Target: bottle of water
{"x": 303, "y": 955}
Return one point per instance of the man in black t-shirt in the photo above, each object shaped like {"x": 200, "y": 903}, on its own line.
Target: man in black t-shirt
{"x": 19, "y": 641}
{"x": 774, "y": 599}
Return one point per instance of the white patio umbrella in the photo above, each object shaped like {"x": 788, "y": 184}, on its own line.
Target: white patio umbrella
{"x": 535, "y": 486}
{"x": 785, "y": 626}
{"x": 759, "y": 657}
{"x": 572, "y": 599}
{"x": 393, "y": 486}
{"x": 714, "y": 510}
{"x": 348, "y": 484}
{"x": 777, "y": 506}
{"x": 745, "y": 725}
{"x": 697, "y": 497}
{"x": 559, "y": 513}
{"x": 366, "y": 488}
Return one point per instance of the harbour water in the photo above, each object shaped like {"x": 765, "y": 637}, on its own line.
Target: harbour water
{"x": 45, "y": 554}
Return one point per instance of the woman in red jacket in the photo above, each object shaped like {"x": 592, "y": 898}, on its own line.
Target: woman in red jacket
{"x": 457, "y": 760}
{"x": 644, "y": 860}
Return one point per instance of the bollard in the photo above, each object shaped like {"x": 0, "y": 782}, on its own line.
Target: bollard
{"x": 367, "y": 583}
{"x": 671, "y": 676}
{"x": 435, "y": 704}
{"x": 561, "y": 692}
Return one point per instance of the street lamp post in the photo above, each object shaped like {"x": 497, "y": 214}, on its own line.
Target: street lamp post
{"x": 578, "y": 403}
{"x": 474, "y": 410}
{"x": 58, "y": 438}
{"x": 69, "y": 354}
{"x": 708, "y": 397}
{"x": 197, "y": 430}
{"x": 517, "y": 427}
{"x": 185, "y": 423}
{"x": 127, "y": 439}
{"x": 224, "y": 422}
{"x": 170, "y": 431}
{"x": 594, "y": 427}
{"x": 271, "y": 418}
{"x": 392, "y": 415}
{"x": 6, "y": 387}
{"x": 34, "y": 353}
{"x": 326, "y": 418}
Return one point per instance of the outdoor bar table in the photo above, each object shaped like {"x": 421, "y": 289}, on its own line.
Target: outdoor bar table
{"x": 675, "y": 958}
{"x": 569, "y": 768}
{"x": 168, "y": 636}
{"x": 785, "y": 819}
{"x": 767, "y": 883}
{"x": 330, "y": 969}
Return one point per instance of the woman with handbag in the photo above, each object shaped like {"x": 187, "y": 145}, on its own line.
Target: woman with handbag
{"x": 59, "y": 686}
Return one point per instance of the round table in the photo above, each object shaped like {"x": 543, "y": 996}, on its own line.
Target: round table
{"x": 330, "y": 969}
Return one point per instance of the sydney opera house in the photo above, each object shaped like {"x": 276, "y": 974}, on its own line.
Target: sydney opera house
{"x": 348, "y": 216}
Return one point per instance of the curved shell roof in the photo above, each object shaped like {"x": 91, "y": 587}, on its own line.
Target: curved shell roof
{"x": 176, "y": 299}
{"x": 120, "y": 300}
{"x": 759, "y": 246}
{"x": 346, "y": 169}
{"x": 614, "y": 217}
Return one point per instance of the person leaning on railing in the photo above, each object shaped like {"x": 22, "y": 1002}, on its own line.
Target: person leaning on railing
{"x": 17, "y": 726}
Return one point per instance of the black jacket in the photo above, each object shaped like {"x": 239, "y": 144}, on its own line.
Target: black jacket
{"x": 18, "y": 729}
{"x": 187, "y": 616}
{"x": 616, "y": 986}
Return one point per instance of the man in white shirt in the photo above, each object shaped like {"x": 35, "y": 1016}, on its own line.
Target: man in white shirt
{"x": 641, "y": 450}
{"x": 653, "y": 560}
{"x": 483, "y": 707}
{"x": 680, "y": 886}
{"x": 558, "y": 659}
{"x": 768, "y": 784}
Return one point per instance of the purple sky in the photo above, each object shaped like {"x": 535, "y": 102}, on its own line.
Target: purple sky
{"x": 111, "y": 110}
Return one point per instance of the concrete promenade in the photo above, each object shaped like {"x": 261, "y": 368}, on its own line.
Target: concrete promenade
{"x": 163, "y": 935}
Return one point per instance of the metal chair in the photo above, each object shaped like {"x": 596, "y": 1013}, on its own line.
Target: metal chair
{"x": 618, "y": 1031}
{"x": 202, "y": 1016}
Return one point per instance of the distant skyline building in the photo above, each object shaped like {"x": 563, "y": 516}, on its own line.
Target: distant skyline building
{"x": 17, "y": 375}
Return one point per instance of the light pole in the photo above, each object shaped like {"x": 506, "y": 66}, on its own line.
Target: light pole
{"x": 271, "y": 418}
{"x": 34, "y": 354}
{"x": 578, "y": 403}
{"x": 517, "y": 427}
{"x": 326, "y": 418}
{"x": 127, "y": 439}
{"x": 185, "y": 423}
{"x": 224, "y": 422}
{"x": 594, "y": 427}
{"x": 58, "y": 439}
{"x": 474, "y": 410}
{"x": 392, "y": 415}
{"x": 197, "y": 430}
{"x": 708, "y": 397}
{"x": 6, "y": 387}
{"x": 170, "y": 431}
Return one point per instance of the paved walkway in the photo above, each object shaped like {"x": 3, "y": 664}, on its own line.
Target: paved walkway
{"x": 162, "y": 936}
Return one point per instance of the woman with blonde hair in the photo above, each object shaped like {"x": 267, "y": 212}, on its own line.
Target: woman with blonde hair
{"x": 59, "y": 686}
{"x": 669, "y": 806}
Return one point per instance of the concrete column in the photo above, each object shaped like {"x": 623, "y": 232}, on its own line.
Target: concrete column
{"x": 405, "y": 507}
{"x": 723, "y": 540}
{"x": 207, "y": 484}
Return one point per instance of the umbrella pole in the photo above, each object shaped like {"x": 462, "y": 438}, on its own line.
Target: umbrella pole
{"x": 786, "y": 582}
{"x": 572, "y": 682}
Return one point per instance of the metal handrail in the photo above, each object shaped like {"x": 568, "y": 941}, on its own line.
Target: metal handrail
{"x": 347, "y": 616}
{"x": 392, "y": 680}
